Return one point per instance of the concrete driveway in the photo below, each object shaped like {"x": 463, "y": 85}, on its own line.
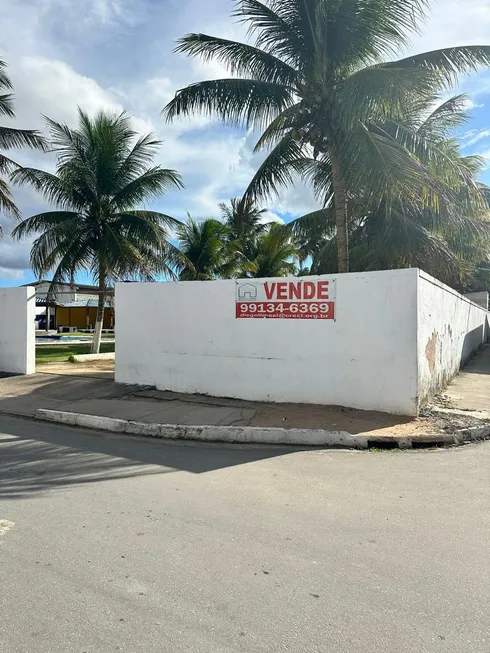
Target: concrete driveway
{"x": 109, "y": 543}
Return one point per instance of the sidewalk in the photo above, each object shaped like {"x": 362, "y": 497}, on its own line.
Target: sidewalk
{"x": 102, "y": 397}
{"x": 470, "y": 390}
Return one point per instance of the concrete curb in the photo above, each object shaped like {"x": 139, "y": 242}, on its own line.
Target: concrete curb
{"x": 237, "y": 434}
{"x": 83, "y": 358}
{"x": 259, "y": 435}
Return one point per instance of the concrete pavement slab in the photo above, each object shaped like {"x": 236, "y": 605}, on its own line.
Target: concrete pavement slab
{"x": 470, "y": 390}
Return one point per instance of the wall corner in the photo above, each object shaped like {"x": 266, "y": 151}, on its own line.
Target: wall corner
{"x": 417, "y": 340}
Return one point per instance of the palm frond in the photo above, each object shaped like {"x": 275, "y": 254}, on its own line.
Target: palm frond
{"x": 7, "y": 105}
{"x": 4, "y": 78}
{"x": 44, "y": 222}
{"x": 139, "y": 158}
{"x": 357, "y": 33}
{"x": 11, "y": 138}
{"x": 7, "y": 205}
{"x": 49, "y": 185}
{"x": 273, "y": 33}
{"x": 290, "y": 118}
{"x": 277, "y": 170}
{"x": 449, "y": 63}
{"x": 319, "y": 224}
{"x": 236, "y": 101}
{"x": 382, "y": 90}
{"x": 151, "y": 184}
{"x": 445, "y": 118}
{"x": 240, "y": 59}
{"x": 7, "y": 166}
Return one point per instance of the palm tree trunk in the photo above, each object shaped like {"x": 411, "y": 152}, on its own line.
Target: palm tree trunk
{"x": 99, "y": 321}
{"x": 340, "y": 205}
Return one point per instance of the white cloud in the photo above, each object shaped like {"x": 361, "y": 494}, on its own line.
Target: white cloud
{"x": 117, "y": 54}
{"x": 15, "y": 275}
{"x": 485, "y": 154}
{"x": 454, "y": 22}
{"x": 476, "y": 136}
{"x": 471, "y": 105}
{"x": 270, "y": 216}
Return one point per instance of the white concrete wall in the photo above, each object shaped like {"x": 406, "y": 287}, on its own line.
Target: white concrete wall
{"x": 184, "y": 337}
{"x": 17, "y": 330}
{"x": 451, "y": 328}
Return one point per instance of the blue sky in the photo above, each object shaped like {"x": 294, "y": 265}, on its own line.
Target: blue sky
{"x": 117, "y": 54}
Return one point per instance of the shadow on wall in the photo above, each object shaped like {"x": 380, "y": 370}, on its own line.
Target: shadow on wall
{"x": 472, "y": 342}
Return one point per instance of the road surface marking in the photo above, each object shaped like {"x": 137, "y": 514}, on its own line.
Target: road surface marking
{"x": 5, "y": 526}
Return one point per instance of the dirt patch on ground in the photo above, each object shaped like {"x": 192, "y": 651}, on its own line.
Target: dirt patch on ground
{"x": 305, "y": 416}
{"x": 333, "y": 418}
{"x": 100, "y": 369}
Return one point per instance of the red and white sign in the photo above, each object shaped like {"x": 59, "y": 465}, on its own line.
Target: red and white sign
{"x": 298, "y": 299}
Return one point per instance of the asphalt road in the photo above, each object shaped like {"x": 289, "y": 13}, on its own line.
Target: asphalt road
{"x": 110, "y": 543}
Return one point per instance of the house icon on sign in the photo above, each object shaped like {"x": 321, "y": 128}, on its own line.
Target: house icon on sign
{"x": 247, "y": 291}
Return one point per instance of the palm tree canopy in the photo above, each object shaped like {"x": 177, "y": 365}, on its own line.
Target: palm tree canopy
{"x": 104, "y": 174}
{"x": 242, "y": 217}
{"x": 449, "y": 242}
{"x": 245, "y": 223}
{"x": 318, "y": 80}
{"x": 11, "y": 138}
{"x": 274, "y": 255}
{"x": 203, "y": 252}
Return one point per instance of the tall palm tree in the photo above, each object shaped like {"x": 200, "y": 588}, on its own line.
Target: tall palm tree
{"x": 203, "y": 250}
{"x": 11, "y": 138}
{"x": 448, "y": 242}
{"x": 274, "y": 254}
{"x": 317, "y": 79}
{"x": 103, "y": 174}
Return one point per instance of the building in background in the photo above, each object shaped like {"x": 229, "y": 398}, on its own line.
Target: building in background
{"x": 70, "y": 305}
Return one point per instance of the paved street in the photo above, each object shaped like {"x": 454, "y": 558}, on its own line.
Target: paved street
{"x": 109, "y": 543}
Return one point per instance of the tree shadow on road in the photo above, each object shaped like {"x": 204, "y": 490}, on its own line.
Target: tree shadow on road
{"x": 36, "y": 457}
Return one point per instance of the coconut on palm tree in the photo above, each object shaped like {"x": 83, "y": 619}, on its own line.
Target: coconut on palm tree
{"x": 104, "y": 175}
{"x": 318, "y": 80}
{"x": 9, "y": 139}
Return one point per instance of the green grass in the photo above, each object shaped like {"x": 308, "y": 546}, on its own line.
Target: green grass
{"x": 61, "y": 353}
{"x": 80, "y": 334}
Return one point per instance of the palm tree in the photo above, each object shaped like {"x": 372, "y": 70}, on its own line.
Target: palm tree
{"x": 203, "y": 250}
{"x": 244, "y": 221}
{"x": 103, "y": 174}
{"x": 448, "y": 242}
{"x": 11, "y": 138}
{"x": 317, "y": 80}
{"x": 274, "y": 254}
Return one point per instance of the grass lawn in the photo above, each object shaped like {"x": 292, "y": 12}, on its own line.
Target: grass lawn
{"x": 80, "y": 334}
{"x": 61, "y": 353}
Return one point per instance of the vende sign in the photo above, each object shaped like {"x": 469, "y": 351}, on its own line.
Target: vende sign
{"x": 298, "y": 299}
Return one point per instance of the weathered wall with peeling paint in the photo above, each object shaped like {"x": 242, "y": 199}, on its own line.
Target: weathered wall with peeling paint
{"x": 17, "y": 330}
{"x": 398, "y": 338}
{"x": 184, "y": 337}
{"x": 450, "y": 329}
